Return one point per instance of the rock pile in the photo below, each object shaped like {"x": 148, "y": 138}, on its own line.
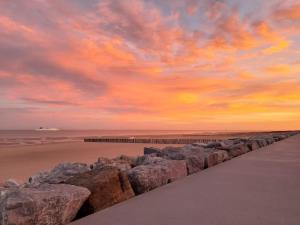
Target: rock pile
{"x": 108, "y": 186}
{"x": 41, "y": 205}
{"x": 74, "y": 190}
{"x": 152, "y": 172}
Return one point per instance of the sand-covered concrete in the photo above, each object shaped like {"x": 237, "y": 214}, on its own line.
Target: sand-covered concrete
{"x": 261, "y": 187}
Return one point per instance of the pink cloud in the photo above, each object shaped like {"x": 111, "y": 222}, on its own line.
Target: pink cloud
{"x": 177, "y": 63}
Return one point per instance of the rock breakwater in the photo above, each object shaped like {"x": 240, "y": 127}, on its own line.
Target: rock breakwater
{"x": 74, "y": 190}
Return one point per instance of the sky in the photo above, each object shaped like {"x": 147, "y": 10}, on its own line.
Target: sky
{"x": 150, "y": 64}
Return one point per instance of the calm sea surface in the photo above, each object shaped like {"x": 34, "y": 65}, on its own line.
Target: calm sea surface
{"x": 32, "y": 137}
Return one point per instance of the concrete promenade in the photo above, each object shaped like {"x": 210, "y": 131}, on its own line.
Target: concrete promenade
{"x": 259, "y": 188}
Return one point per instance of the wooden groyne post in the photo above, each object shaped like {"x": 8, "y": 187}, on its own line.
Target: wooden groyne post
{"x": 150, "y": 140}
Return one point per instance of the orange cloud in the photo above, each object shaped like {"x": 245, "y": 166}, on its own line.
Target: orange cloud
{"x": 288, "y": 13}
{"x": 149, "y": 64}
{"x": 279, "y": 43}
{"x": 283, "y": 69}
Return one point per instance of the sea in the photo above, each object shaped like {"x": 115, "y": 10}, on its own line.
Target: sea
{"x": 36, "y": 137}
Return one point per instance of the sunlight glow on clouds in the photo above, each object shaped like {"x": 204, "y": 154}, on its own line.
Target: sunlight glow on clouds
{"x": 149, "y": 64}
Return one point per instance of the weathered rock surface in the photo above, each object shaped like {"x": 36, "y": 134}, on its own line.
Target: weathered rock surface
{"x": 269, "y": 140}
{"x": 148, "y": 159}
{"x": 253, "y": 145}
{"x": 123, "y": 163}
{"x": 151, "y": 150}
{"x": 10, "y": 184}
{"x": 222, "y": 155}
{"x": 236, "y": 149}
{"x": 194, "y": 156}
{"x": 59, "y": 174}
{"x": 108, "y": 186}
{"x": 260, "y": 141}
{"x": 228, "y": 143}
{"x": 125, "y": 158}
{"x": 41, "y": 205}
{"x": 279, "y": 137}
{"x": 199, "y": 144}
{"x": 212, "y": 145}
{"x": 214, "y": 157}
{"x": 153, "y": 172}
{"x": 211, "y": 159}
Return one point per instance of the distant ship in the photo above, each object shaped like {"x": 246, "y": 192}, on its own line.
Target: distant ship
{"x": 46, "y": 129}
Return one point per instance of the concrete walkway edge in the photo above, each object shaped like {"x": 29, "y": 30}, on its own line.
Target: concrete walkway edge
{"x": 258, "y": 188}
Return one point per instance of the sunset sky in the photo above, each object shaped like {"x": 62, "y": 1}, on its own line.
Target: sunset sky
{"x": 150, "y": 64}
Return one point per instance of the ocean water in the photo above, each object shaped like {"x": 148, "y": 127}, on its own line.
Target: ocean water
{"x": 33, "y": 137}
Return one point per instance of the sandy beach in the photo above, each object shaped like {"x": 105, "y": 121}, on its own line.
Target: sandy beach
{"x": 23, "y": 161}
{"x": 20, "y": 162}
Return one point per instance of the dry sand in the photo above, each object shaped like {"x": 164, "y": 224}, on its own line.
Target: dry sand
{"x": 23, "y": 161}
{"x": 20, "y": 162}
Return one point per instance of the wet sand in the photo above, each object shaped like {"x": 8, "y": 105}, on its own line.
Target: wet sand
{"x": 23, "y": 161}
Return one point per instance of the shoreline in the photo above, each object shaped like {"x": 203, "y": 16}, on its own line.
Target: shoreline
{"x": 6, "y": 147}
{"x": 21, "y": 161}
{"x": 33, "y": 139}
{"x": 107, "y": 182}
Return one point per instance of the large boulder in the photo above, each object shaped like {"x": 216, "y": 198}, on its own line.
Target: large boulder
{"x": 226, "y": 144}
{"x": 214, "y": 157}
{"x": 194, "y": 156}
{"x": 123, "y": 163}
{"x": 151, "y": 150}
{"x": 153, "y": 172}
{"x": 263, "y": 142}
{"x": 148, "y": 159}
{"x": 212, "y": 145}
{"x": 59, "y": 174}
{"x": 175, "y": 148}
{"x": 236, "y": 149}
{"x": 41, "y": 205}
{"x": 10, "y": 183}
{"x": 108, "y": 186}
{"x": 125, "y": 158}
{"x": 199, "y": 144}
{"x": 260, "y": 141}
{"x": 222, "y": 155}
{"x": 269, "y": 140}
{"x": 211, "y": 159}
{"x": 278, "y": 137}
{"x": 253, "y": 144}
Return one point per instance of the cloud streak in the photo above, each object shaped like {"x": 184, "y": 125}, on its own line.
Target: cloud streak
{"x": 150, "y": 64}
